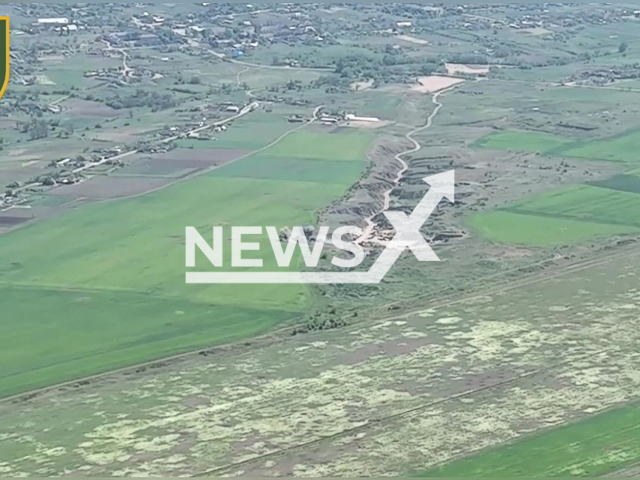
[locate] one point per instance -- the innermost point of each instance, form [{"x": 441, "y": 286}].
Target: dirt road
[
  {"x": 249, "y": 108},
  {"x": 126, "y": 70},
  {"x": 371, "y": 225},
  {"x": 33, "y": 393}
]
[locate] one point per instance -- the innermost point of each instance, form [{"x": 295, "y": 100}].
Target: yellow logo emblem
[{"x": 4, "y": 54}]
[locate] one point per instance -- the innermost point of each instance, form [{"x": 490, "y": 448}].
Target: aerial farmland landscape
[{"x": 126, "y": 126}]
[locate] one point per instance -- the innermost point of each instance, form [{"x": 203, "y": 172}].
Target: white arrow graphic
[{"x": 408, "y": 235}]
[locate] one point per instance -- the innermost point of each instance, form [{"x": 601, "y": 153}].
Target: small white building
[
  {"x": 233, "y": 109},
  {"x": 403, "y": 24},
  {"x": 355, "y": 118},
  {"x": 53, "y": 21}
]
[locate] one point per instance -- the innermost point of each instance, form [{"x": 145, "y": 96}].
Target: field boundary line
[
  {"x": 32, "y": 393},
  {"x": 508, "y": 285},
  {"x": 216, "y": 167},
  {"x": 392, "y": 417}
]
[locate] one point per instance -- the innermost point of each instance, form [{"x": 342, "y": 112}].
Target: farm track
[
  {"x": 370, "y": 228},
  {"x": 442, "y": 297},
  {"x": 216, "y": 167}
]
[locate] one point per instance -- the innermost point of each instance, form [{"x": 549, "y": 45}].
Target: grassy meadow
[
  {"x": 619, "y": 148},
  {"x": 534, "y": 142},
  {"x": 622, "y": 148},
  {"x": 567, "y": 216},
  {"x": 520, "y": 229},
  {"x": 572, "y": 214},
  {"x": 103, "y": 286},
  {"x": 335, "y": 146}
]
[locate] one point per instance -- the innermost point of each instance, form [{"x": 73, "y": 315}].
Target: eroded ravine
[{"x": 369, "y": 230}]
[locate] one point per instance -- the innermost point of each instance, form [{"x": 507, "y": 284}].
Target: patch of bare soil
[
  {"x": 434, "y": 83},
  {"x": 122, "y": 135},
  {"x": 52, "y": 58},
  {"x": 535, "y": 31},
  {"x": 368, "y": 125},
  {"x": 20, "y": 216},
  {"x": 361, "y": 86},
  {"x": 7, "y": 220},
  {"x": 201, "y": 157},
  {"x": 179, "y": 162}
]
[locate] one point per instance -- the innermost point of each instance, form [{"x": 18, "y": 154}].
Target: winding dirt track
[{"x": 371, "y": 225}]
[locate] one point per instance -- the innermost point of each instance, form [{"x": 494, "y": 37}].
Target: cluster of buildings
[
  {"x": 333, "y": 119},
  {"x": 133, "y": 39},
  {"x": 56, "y": 24}
]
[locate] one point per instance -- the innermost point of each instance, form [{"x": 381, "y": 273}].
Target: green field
[
  {"x": 597, "y": 446},
  {"x": 619, "y": 148},
  {"x": 108, "y": 288},
  {"x": 586, "y": 203},
  {"x": 520, "y": 229},
  {"x": 248, "y": 133},
  {"x": 63, "y": 334},
  {"x": 333, "y": 146},
  {"x": 299, "y": 169},
  {"x": 622, "y": 148},
  {"x": 534, "y": 142},
  {"x": 568, "y": 216}
]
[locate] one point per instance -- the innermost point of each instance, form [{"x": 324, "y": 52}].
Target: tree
[
  {"x": 38, "y": 129},
  {"x": 623, "y": 47}
]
